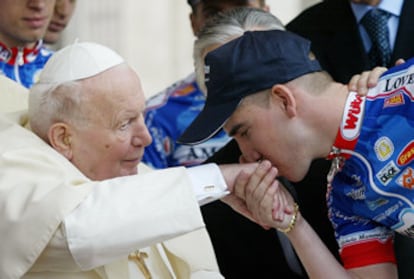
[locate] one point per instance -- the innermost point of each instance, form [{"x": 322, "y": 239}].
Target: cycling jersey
[
  {"x": 167, "y": 115},
  {"x": 371, "y": 183},
  {"x": 23, "y": 64}
]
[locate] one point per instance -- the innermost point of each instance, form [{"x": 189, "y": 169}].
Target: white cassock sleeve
[
  {"x": 126, "y": 213},
  {"x": 208, "y": 183}
]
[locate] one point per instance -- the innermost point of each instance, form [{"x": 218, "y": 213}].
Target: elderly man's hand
[{"x": 230, "y": 172}]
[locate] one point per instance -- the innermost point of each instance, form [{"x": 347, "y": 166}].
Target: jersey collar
[
  {"x": 350, "y": 127},
  {"x": 19, "y": 55}
]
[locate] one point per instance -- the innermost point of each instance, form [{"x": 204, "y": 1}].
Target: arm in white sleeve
[
  {"x": 208, "y": 183},
  {"x": 126, "y": 213}
]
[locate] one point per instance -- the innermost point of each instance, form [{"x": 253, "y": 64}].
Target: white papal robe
[{"x": 41, "y": 191}]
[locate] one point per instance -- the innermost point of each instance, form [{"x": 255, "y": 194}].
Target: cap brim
[{"x": 210, "y": 120}]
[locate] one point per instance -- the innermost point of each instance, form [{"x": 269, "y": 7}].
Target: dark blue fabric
[{"x": 375, "y": 23}]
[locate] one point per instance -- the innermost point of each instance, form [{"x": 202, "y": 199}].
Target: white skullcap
[{"x": 79, "y": 61}]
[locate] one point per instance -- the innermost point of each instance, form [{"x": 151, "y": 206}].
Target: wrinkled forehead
[
  {"x": 118, "y": 76},
  {"x": 119, "y": 86}
]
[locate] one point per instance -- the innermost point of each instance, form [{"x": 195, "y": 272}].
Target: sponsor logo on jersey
[
  {"x": 357, "y": 194},
  {"x": 184, "y": 91},
  {"x": 406, "y": 155},
  {"x": 5, "y": 54},
  {"x": 384, "y": 148},
  {"x": 388, "y": 212},
  {"x": 377, "y": 234},
  {"x": 352, "y": 120},
  {"x": 386, "y": 174},
  {"x": 373, "y": 205},
  {"x": 406, "y": 179},
  {"x": 394, "y": 100},
  {"x": 189, "y": 155},
  {"x": 399, "y": 81}
]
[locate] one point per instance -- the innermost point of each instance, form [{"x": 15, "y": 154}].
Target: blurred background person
[
  {"x": 62, "y": 14},
  {"x": 170, "y": 112},
  {"x": 342, "y": 40},
  {"x": 23, "y": 24}
]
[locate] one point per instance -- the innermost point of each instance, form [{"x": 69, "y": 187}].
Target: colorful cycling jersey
[
  {"x": 23, "y": 64},
  {"x": 167, "y": 115},
  {"x": 371, "y": 183}
]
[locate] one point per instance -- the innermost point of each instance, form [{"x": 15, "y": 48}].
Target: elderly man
[
  {"x": 71, "y": 202},
  {"x": 273, "y": 98}
]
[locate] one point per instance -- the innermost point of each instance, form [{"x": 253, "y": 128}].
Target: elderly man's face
[
  {"x": 23, "y": 22},
  {"x": 112, "y": 142}
]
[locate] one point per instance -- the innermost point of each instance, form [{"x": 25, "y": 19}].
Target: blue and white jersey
[
  {"x": 167, "y": 116},
  {"x": 372, "y": 194},
  {"x": 23, "y": 64}
]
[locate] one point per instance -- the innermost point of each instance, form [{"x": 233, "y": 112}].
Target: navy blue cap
[{"x": 249, "y": 64}]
